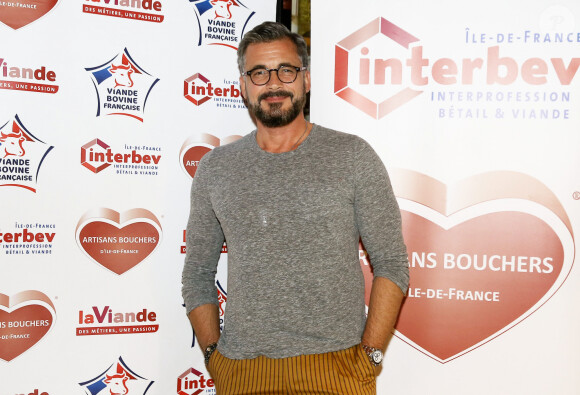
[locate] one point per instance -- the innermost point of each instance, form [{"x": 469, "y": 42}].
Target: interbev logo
[
  {"x": 198, "y": 89},
  {"x": 364, "y": 76},
  {"x": 194, "y": 382},
  {"x": 96, "y": 155},
  {"x": 31, "y": 238},
  {"x": 344, "y": 55}
]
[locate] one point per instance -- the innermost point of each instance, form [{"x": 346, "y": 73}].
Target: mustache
[{"x": 275, "y": 94}]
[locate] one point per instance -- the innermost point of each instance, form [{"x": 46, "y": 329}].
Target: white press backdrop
[
  {"x": 473, "y": 108},
  {"x": 76, "y": 305},
  {"x": 103, "y": 296}
]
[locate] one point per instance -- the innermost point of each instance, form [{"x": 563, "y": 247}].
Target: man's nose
[{"x": 274, "y": 80}]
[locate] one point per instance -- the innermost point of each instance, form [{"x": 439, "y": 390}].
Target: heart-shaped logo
[
  {"x": 473, "y": 280},
  {"x": 19, "y": 13},
  {"x": 484, "y": 255},
  {"x": 116, "y": 241},
  {"x": 196, "y": 147},
  {"x": 24, "y": 319}
]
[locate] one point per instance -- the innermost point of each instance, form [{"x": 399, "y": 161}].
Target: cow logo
[
  {"x": 194, "y": 148},
  {"x": 19, "y": 13},
  {"x": 11, "y": 142},
  {"x": 221, "y": 22},
  {"x": 117, "y": 379},
  {"x": 96, "y": 155},
  {"x": 199, "y": 89},
  {"x": 194, "y": 382},
  {"x": 118, "y": 241},
  {"x": 481, "y": 270},
  {"x": 127, "y": 10},
  {"x": 25, "y": 318},
  {"x": 21, "y": 155},
  {"x": 122, "y": 86}
]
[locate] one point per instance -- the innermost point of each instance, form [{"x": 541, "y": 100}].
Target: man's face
[{"x": 276, "y": 103}]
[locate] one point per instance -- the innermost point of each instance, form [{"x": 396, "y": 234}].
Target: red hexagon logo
[
  {"x": 342, "y": 50},
  {"x": 89, "y": 151},
  {"x": 197, "y": 94},
  {"x": 193, "y": 382}
]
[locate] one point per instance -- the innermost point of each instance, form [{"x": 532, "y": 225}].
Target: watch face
[{"x": 377, "y": 356}]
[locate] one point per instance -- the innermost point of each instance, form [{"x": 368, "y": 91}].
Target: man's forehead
[{"x": 279, "y": 52}]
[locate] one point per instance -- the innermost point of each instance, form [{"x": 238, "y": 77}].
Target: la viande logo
[
  {"x": 106, "y": 321},
  {"x": 35, "y": 392},
  {"x": 128, "y": 9},
  {"x": 27, "y": 78}
]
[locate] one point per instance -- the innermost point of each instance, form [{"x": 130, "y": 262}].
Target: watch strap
[
  {"x": 208, "y": 351},
  {"x": 375, "y": 354}
]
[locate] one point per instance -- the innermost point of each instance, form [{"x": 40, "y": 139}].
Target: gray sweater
[{"x": 292, "y": 223}]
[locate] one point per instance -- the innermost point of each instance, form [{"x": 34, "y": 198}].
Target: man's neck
[{"x": 284, "y": 138}]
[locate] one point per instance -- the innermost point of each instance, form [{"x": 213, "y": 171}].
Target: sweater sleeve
[
  {"x": 378, "y": 217},
  {"x": 204, "y": 240}
]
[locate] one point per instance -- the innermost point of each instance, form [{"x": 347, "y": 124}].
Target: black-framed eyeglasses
[{"x": 286, "y": 74}]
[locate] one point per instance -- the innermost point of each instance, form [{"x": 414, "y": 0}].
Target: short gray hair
[{"x": 266, "y": 33}]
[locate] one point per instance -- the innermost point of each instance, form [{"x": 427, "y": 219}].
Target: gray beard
[{"x": 275, "y": 116}]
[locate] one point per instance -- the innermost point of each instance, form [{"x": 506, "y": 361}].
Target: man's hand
[
  {"x": 386, "y": 298},
  {"x": 205, "y": 321}
]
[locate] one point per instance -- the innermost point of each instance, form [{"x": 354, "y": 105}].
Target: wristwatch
[
  {"x": 208, "y": 351},
  {"x": 375, "y": 355}
]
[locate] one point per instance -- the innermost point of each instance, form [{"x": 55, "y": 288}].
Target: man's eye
[
  {"x": 287, "y": 70},
  {"x": 259, "y": 73}
]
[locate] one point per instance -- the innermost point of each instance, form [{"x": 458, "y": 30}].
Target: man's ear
[
  {"x": 307, "y": 81},
  {"x": 243, "y": 86}
]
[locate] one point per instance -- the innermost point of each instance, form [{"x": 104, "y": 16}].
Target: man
[{"x": 292, "y": 200}]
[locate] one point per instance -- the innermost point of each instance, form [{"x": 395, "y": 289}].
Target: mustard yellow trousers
[{"x": 345, "y": 372}]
